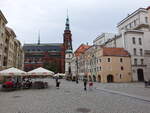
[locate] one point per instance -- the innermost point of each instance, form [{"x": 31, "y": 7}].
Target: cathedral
[{"x": 48, "y": 55}]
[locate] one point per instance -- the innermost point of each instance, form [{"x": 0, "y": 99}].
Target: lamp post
[{"x": 77, "y": 68}]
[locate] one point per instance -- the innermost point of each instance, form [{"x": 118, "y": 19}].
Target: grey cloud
[{"x": 88, "y": 18}]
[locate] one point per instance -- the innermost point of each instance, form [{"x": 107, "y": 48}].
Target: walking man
[
  {"x": 85, "y": 83},
  {"x": 57, "y": 84}
]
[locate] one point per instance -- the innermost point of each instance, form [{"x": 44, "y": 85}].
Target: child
[{"x": 91, "y": 85}]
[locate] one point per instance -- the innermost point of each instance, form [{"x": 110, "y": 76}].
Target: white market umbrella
[
  {"x": 40, "y": 71},
  {"x": 12, "y": 72}
]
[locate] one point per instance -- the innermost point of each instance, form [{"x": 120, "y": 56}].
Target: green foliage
[{"x": 52, "y": 66}]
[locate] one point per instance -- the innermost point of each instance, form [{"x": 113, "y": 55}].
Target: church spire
[
  {"x": 67, "y": 22},
  {"x": 39, "y": 38}
]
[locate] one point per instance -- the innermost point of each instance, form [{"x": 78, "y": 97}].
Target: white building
[
  {"x": 104, "y": 37},
  {"x": 134, "y": 36}
]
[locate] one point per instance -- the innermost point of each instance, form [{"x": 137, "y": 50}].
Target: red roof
[
  {"x": 115, "y": 52},
  {"x": 81, "y": 49}
]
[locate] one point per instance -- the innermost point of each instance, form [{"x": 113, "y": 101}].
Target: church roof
[{"x": 43, "y": 47}]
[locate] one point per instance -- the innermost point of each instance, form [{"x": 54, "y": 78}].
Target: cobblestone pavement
[
  {"x": 71, "y": 98},
  {"x": 129, "y": 88}
]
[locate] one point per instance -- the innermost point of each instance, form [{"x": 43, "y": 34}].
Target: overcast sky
[{"x": 88, "y": 18}]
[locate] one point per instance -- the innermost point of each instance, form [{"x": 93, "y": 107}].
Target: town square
[
  {"x": 73, "y": 56},
  {"x": 71, "y": 98}
]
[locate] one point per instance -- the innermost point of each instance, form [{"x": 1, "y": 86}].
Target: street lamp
[{"x": 77, "y": 67}]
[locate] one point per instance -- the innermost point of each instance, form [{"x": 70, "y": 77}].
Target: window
[
  {"x": 141, "y": 52},
  {"x": 120, "y": 76},
  {"x": 134, "y": 22},
  {"x": 130, "y": 25},
  {"x": 121, "y": 60},
  {"x": 99, "y": 60},
  {"x": 121, "y": 67},
  {"x": 135, "y": 61},
  {"x": 126, "y": 28},
  {"x": 108, "y": 59},
  {"x": 133, "y": 40},
  {"x": 3, "y": 25},
  {"x": 97, "y": 69},
  {"x": 134, "y": 50},
  {"x": 146, "y": 19},
  {"x": 142, "y": 61},
  {"x": 100, "y": 68},
  {"x": 140, "y": 41}
]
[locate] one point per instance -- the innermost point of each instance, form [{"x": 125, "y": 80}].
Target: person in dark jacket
[
  {"x": 57, "y": 84},
  {"x": 85, "y": 83},
  {"x": 77, "y": 80}
]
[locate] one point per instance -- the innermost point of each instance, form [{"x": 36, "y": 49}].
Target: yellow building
[{"x": 108, "y": 65}]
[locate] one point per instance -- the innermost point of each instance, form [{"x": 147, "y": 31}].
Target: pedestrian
[
  {"x": 85, "y": 83},
  {"x": 90, "y": 85},
  {"x": 57, "y": 84},
  {"x": 56, "y": 80},
  {"x": 77, "y": 80}
]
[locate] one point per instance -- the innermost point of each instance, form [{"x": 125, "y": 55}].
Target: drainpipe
[{"x": 123, "y": 39}]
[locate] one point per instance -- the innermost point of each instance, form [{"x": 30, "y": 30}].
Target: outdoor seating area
[{"x": 15, "y": 79}]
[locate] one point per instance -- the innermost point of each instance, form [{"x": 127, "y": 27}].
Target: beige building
[
  {"x": 114, "y": 65},
  {"x": 106, "y": 64},
  {"x": 11, "y": 52}
]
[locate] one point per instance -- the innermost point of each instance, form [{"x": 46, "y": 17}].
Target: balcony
[{"x": 141, "y": 25}]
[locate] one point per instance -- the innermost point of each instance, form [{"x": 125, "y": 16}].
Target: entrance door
[
  {"x": 140, "y": 75},
  {"x": 99, "y": 78},
  {"x": 110, "y": 78}
]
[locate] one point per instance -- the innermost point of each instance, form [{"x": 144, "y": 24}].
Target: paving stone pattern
[{"x": 71, "y": 98}]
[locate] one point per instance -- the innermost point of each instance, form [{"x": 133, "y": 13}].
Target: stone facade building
[
  {"x": 109, "y": 65},
  {"x": 105, "y": 64},
  {"x": 134, "y": 36},
  {"x": 78, "y": 60},
  {"x": 104, "y": 37},
  {"x": 11, "y": 52}
]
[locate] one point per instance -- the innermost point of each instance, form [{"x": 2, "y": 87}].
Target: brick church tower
[{"x": 67, "y": 36}]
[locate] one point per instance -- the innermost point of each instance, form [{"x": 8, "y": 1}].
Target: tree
[{"x": 51, "y": 66}]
